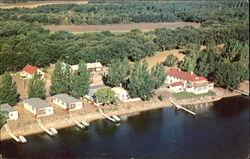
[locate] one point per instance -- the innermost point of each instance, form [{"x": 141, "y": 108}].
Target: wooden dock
[
  {"x": 181, "y": 107},
  {"x": 242, "y": 92},
  {"x": 78, "y": 124},
  {"x": 51, "y": 132},
  {"x": 106, "y": 116},
  {"x": 20, "y": 139}
]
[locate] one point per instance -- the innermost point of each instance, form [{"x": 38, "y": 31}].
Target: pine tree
[
  {"x": 158, "y": 75},
  {"x": 80, "y": 81},
  {"x": 118, "y": 72},
  {"x": 140, "y": 82},
  {"x": 60, "y": 79},
  {"x": 36, "y": 87},
  {"x": 8, "y": 90}
]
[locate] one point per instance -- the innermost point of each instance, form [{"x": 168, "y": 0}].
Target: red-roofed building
[
  {"x": 177, "y": 86},
  {"x": 28, "y": 71},
  {"x": 191, "y": 82}
]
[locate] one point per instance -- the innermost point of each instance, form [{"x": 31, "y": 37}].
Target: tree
[
  {"x": 36, "y": 87},
  {"x": 118, "y": 72},
  {"x": 8, "y": 90},
  {"x": 2, "y": 119},
  {"x": 140, "y": 83},
  {"x": 189, "y": 62},
  {"x": 170, "y": 61},
  {"x": 206, "y": 64},
  {"x": 60, "y": 79},
  {"x": 229, "y": 75},
  {"x": 105, "y": 95},
  {"x": 158, "y": 75},
  {"x": 80, "y": 81}
]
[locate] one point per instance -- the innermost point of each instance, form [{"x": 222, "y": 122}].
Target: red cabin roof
[
  {"x": 29, "y": 69},
  {"x": 185, "y": 75},
  {"x": 177, "y": 84}
]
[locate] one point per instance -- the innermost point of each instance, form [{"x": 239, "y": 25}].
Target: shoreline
[{"x": 62, "y": 121}]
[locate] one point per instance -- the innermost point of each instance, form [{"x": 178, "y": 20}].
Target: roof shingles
[{"x": 185, "y": 75}]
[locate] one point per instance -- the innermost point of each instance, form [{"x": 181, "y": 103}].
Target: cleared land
[
  {"x": 37, "y": 4},
  {"x": 118, "y": 27}
]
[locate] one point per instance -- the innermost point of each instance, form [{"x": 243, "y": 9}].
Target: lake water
[{"x": 219, "y": 131}]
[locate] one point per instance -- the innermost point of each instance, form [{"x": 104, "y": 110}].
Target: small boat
[
  {"x": 85, "y": 123},
  {"x": 116, "y": 118},
  {"x": 54, "y": 131},
  {"x": 22, "y": 139}
]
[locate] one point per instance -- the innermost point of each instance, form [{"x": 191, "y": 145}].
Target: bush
[
  {"x": 170, "y": 61},
  {"x": 160, "y": 97}
]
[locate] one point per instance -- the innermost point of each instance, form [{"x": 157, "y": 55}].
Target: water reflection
[
  {"x": 219, "y": 131},
  {"x": 105, "y": 127}
]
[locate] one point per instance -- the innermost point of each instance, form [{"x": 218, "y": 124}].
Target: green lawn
[{"x": 183, "y": 95}]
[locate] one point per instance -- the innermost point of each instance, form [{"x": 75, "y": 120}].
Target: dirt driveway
[{"x": 118, "y": 27}]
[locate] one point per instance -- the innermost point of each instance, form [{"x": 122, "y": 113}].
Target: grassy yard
[{"x": 184, "y": 95}]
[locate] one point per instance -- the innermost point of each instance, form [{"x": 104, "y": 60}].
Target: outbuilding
[
  {"x": 9, "y": 112},
  {"x": 177, "y": 86},
  {"x": 67, "y": 102},
  {"x": 28, "y": 71},
  {"x": 121, "y": 93},
  {"x": 38, "y": 107}
]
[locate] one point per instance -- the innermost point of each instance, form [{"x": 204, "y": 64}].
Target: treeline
[
  {"x": 130, "y": 12},
  {"x": 24, "y": 43},
  {"x": 227, "y": 66}
]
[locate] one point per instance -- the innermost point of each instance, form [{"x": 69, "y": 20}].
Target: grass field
[
  {"x": 38, "y": 3},
  {"x": 184, "y": 95},
  {"x": 118, "y": 28}
]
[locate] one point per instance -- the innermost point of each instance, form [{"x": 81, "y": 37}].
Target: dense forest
[
  {"x": 23, "y": 41},
  {"x": 127, "y": 12}
]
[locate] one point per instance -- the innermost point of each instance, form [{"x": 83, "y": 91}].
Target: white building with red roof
[
  {"x": 180, "y": 80},
  {"x": 28, "y": 71}
]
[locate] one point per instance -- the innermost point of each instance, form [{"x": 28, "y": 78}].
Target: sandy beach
[{"x": 27, "y": 124}]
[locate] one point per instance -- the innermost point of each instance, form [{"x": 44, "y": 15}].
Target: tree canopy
[
  {"x": 105, "y": 96},
  {"x": 118, "y": 72},
  {"x": 36, "y": 87},
  {"x": 8, "y": 90}
]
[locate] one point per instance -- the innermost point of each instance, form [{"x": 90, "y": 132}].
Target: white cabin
[
  {"x": 121, "y": 93},
  {"x": 38, "y": 107},
  {"x": 67, "y": 102},
  {"x": 9, "y": 112}
]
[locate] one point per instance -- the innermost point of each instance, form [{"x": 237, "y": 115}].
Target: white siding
[
  {"x": 29, "y": 108},
  {"x": 48, "y": 111},
  {"x": 59, "y": 103},
  {"x": 78, "y": 106},
  {"x": 176, "y": 88},
  {"x": 13, "y": 115}
]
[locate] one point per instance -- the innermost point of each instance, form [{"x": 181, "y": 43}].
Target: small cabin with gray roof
[
  {"x": 9, "y": 112},
  {"x": 38, "y": 107},
  {"x": 67, "y": 102}
]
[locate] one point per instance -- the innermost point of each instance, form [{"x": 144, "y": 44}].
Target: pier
[
  {"x": 241, "y": 91},
  {"x": 51, "y": 132},
  {"x": 17, "y": 139},
  {"x": 81, "y": 124},
  {"x": 181, "y": 107},
  {"x": 113, "y": 118}
]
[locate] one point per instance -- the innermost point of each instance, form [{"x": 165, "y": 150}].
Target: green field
[{"x": 184, "y": 95}]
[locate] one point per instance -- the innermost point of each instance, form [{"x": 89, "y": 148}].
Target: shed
[
  {"x": 38, "y": 107},
  {"x": 121, "y": 93},
  {"x": 28, "y": 71},
  {"x": 177, "y": 86},
  {"x": 9, "y": 112},
  {"x": 67, "y": 102}
]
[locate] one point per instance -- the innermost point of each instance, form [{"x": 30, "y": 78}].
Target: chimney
[
  {"x": 191, "y": 72},
  {"x": 179, "y": 69}
]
